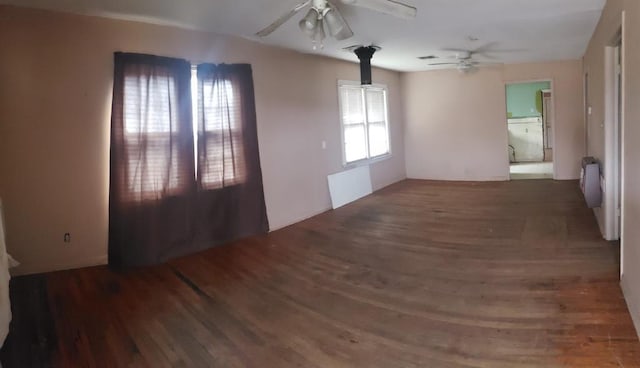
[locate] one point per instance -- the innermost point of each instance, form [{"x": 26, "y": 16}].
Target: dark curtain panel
[
  {"x": 230, "y": 199},
  {"x": 152, "y": 180}
]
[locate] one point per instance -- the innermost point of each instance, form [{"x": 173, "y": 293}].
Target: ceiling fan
[
  {"x": 323, "y": 11},
  {"x": 463, "y": 59}
]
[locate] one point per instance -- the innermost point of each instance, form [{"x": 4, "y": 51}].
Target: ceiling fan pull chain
[{"x": 317, "y": 45}]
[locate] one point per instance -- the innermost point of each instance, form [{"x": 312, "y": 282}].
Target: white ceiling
[{"x": 526, "y": 30}]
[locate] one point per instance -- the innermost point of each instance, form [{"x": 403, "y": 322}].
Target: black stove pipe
[{"x": 365, "y": 53}]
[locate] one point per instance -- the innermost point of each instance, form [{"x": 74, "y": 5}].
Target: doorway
[{"x": 530, "y": 121}]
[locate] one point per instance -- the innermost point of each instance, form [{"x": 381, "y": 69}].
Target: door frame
[
  {"x": 554, "y": 127},
  {"x": 613, "y": 168},
  {"x": 546, "y": 115}
]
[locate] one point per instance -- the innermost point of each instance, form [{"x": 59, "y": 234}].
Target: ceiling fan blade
[
  {"x": 453, "y": 49},
  {"x": 280, "y": 21},
  {"x": 390, "y": 7},
  {"x": 486, "y": 63},
  {"x": 436, "y": 64},
  {"x": 487, "y": 47},
  {"x": 489, "y": 53},
  {"x": 486, "y": 55}
]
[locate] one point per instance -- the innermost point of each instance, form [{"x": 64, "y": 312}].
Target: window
[
  {"x": 219, "y": 137},
  {"x": 179, "y": 135},
  {"x": 151, "y": 133},
  {"x": 365, "y": 127},
  {"x": 154, "y": 140}
]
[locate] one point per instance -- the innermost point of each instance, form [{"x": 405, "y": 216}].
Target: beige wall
[
  {"x": 55, "y": 95},
  {"x": 456, "y": 123},
  {"x": 609, "y": 24},
  {"x": 594, "y": 65}
]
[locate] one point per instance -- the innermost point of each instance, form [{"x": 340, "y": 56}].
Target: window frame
[{"x": 369, "y": 159}]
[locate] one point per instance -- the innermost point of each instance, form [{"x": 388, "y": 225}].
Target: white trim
[
  {"x": 554, "y": 127},
  {"x": 607, "y": 164},
  {"x": 612, "y": 141},
  {"x": 304, "y": 217},
  {"x": 366, "y": 161},
  {"x": 586, "y": 111},
  {"x": 345, "y": 82},
  {"x": 622, "y": 142},
  {"x": 26, "y": 268}
]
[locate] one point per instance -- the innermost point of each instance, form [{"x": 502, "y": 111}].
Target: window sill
[{"x": 367, "y": 161}]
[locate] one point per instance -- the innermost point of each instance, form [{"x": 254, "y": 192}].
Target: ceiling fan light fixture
[
  {"x": 338, "y": 27},
  {"x": 309, "y": 23},
  {"x": 305, "y": 30},
  {"x": 465, "y": 68},
  {"x": 318, "y": 36},
  {"x": 463, "y": 55},
  {"x": 312, "y": 24}
]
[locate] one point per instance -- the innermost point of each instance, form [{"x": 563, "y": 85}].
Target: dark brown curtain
[
  {"x": 161, "y": 204},
  {"x": 230, "y": 199},
  {"x": 152, "y": 180}
]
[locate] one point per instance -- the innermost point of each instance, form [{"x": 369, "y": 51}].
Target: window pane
[
  {"x": 150, "y": 104},
  {"x": 351, "y": 105},
  {"x": 364, "y": 121},
  {"x": 355, "y": 145},
  {"x": 150, "y": 132},
  {"x": 152, "y": 164},
  {"x": 221, "y": 156},
  {"x": 224, "y": 163},
  {"x": 220, "y": 108},
  {"x": 378, "y": 139},
  {"x": 376, "y": 105}
]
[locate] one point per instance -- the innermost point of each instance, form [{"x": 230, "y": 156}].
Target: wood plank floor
[{"x": 420, "y": 274}]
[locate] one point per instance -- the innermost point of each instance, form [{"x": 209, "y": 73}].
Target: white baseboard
[
  {"x": 293, "y": 222},
  {"x": 321, "y": 211},
  {"x": 381, "y": 186},
  {"x": 496, "y": 178},
  {"x": 631, "y": 304},
  {"x": 30, "y": 269}
]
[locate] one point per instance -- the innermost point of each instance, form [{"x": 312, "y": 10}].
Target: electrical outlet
[{"x": 67, "y": 237}]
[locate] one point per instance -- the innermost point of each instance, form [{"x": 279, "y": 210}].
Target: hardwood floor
[{"x": 420, "y": 274}]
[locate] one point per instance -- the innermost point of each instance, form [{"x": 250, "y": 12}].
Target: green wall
[{"x": 522, "y": 100}]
